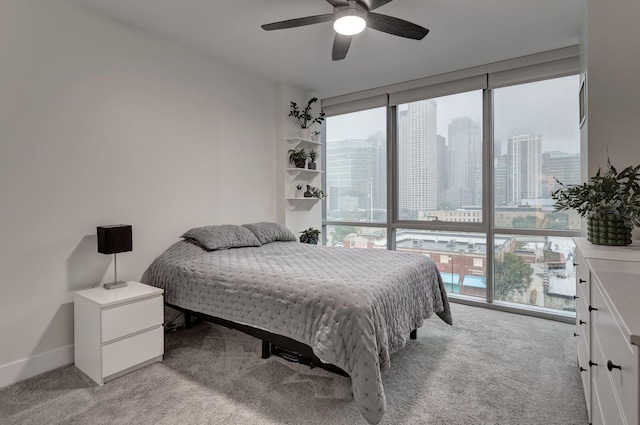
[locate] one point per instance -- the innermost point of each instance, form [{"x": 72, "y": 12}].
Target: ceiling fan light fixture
[{"x": 350, "y": 20}]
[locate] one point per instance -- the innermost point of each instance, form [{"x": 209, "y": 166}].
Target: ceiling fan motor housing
[{"x": 351, "y": 19}]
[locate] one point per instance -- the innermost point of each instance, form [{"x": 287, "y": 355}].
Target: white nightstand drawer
[
  {"x": 604, "y": 397},
  {"x": 129, "y": 352},
  {"x": 619, "y": 352},
  {"x": 130, "y": 318}
]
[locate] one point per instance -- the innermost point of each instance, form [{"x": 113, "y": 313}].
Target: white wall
[
  {"x": 101, "y": 124},
  {"x": 613, "y": 82}
]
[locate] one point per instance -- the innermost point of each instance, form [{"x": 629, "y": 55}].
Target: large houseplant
[
  {"x": 304, "y": 118},
  {"x": 610, "y": 201}
]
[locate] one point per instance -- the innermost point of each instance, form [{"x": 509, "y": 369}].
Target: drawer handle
[
  {"x": 592, "y": 364},
  {"x": 582, "y": 322},
  {"x": 592, "y": 308},
  {"x": 582, "y": 369},
  {"x": 575, "y": 334},
  {"x": 575, "y": 264},
  {"x": 581, "y": 280},
  {"x": 612, "y": 366},
  {"x": 575, "y": 297}
]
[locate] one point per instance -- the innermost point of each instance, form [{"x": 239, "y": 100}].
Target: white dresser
[
  {"x": 117, "y": 331},
  {"x": 608, "y": 331}
]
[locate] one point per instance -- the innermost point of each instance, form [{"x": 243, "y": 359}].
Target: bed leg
[
  {"x": 414, "y": 334},
  {"x": 266, "y": 349},
  {"x": 187, "y": 320}
]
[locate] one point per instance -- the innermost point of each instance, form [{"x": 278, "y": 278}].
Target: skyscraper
[
  {"x": 561, "y": 165},
  {"x": 465, "y": 161},
  {"x": 500, "y": 181},
  {"x": 524, "y": 168},
  {"x": 418, "y": 156},
  {"x": 356, "y": 177}
]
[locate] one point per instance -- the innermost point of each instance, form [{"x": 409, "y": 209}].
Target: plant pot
[
  {"x": 300, "y": 163},
  {"x": 305, "y": 133},
  {"x": 608, "y": 230},
  {"x": 311, "y": 165},
  {"x": 315, "y": 137}
]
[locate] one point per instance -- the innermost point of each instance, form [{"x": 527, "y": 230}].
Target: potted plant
[
  {"x": 298, "y": 157},
  {"x": 304, "y": 118},
  {"x": 315, "y": 136},
  {"x": 313, "y": 155},
  {"x": 314, "y": 192},
  {"x": 310, "y": 235},
  {"x": 610, "y": 201}
]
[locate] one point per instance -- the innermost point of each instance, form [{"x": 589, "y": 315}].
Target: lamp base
[{"x": 115, "y": 285}]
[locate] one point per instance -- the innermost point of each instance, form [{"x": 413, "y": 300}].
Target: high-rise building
[
  {"x": 500, "y": 181},
  {"x": 418, "y": 156},
  {"x": 524, "y": 168},
  {"x": 561, "y": 165},
  {"x": 443, "y": 158},
  {"x": 465, "y": 161},
  {"x": 355, "y": 173}
]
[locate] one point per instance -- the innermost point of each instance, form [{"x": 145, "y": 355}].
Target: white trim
[{"x": 35, "y": 365}]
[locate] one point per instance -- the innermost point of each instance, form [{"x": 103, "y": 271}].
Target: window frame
[{"x": 548, "y": 65}]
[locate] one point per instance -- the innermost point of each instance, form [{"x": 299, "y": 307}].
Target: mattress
[{"x": 353, "y": 307}]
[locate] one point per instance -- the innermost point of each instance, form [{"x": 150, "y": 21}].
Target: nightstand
[{"x": 118, "y": 331}]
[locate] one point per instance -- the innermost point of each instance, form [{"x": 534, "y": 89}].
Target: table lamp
[{"x": 111, "y": 240}]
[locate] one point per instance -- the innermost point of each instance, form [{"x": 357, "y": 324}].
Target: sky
[{"x": 547, "y": 108}]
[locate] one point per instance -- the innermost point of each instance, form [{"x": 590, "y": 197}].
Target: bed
[{"x": 352, "y": 307}]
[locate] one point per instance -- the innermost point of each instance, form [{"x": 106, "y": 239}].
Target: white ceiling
[{"x": 463, "y": 34}]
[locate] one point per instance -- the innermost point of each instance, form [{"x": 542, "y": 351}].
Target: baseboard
[{"x": 26, "y": 368}]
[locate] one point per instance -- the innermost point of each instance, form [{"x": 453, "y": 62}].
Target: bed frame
[{"x": 278, "y": 345}]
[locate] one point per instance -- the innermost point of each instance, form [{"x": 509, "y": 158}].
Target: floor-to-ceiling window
[
  {"x": 356, "y": 179},
  {"x": 465, "y": 178},
  {"x": 536, "y": 143}
]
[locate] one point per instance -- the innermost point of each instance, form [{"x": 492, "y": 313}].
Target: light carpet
[{"x": 490, "y": 367}]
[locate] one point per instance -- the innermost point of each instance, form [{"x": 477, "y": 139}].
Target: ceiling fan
[{"x": 351, "y": 17}]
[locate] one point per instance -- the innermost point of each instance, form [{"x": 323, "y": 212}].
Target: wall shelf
[
  {"x": 300, "y": 142},
  {"x": 303, "y": 199},
  {"x": 303, "y": 171}
]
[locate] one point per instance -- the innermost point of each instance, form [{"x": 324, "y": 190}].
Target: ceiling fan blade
[
  {"x": 395, "y": 26},
  {"x": 338, "y": 3},
  {"x": 374, "y": 4},
  {"x": 341, "y": 45},
  {"x": 298, "y": 22}
]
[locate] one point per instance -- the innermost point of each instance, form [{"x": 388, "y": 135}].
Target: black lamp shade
[{"x": 114, "y": 238}]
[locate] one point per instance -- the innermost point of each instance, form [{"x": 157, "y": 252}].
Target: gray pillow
[
  {"x": 267, "y": 232},
  {"x": 222, "y": 236}
]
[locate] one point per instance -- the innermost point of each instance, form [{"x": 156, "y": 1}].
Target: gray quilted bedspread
[{"x": 354, "y": 307}]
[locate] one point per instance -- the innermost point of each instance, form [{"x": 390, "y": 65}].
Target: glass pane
[
  {"x": 460, "y": 257},
  {"x": 535, "y": 270},
  {"x": 536, "y": 140},
  {"x": 440, "y": 158},
  {"x": 357, "y": 237},
  {"x": 356, "y": 166}
]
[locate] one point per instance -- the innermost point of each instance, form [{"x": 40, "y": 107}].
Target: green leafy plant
[
  {"x": 304, "y": 117},
  {"x": 310, "y": 235},
  {"x": 298, "y": 157},
  {"x": 314, "y": 192},
  {"x": 608, "y": 193},
  {"x": 312, "y": 155}
]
